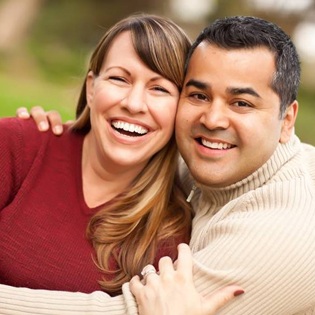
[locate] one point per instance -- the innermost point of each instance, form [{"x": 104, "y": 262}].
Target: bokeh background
[{"x": 45, "y": 44}]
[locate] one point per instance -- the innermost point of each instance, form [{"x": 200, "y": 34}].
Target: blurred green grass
[
  {"x": 17, "y": 92},
  {"x": 305, "y": 124}
]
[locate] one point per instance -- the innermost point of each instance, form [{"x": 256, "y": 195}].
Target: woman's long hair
[{"x": 152, "y": 212}]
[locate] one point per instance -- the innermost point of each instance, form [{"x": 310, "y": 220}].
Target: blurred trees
[
  {"x": 53, "y": 38},
  {"x": 82, "y": 22},
  {"x": 16, "y": 18},
  {"x": 50, "y": 40}
]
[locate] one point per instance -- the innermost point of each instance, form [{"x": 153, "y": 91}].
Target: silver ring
[{"x": 148, "y": 269}]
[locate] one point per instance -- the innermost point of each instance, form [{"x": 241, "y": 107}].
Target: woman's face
[{"x": 132, "y": 108}]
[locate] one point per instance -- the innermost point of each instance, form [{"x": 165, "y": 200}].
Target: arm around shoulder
[{"x": 16, "y": 301}]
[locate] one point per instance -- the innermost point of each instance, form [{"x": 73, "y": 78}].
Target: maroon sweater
[{"x": 43, "y": 215}]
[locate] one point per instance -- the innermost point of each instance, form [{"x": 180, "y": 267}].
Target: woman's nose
[{"x": 135, "y": 100}]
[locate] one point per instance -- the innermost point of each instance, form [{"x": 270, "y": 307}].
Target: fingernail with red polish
[{"x": 238, "y": 292}]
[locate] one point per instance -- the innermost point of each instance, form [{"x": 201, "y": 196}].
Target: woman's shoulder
[
  {"x": 17, "y": 155},
  {"x": 13, "y": 127},
  {"x": 26, "y": 130},
  {"x": 20, "y": 139}
]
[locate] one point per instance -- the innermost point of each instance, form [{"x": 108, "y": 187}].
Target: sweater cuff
[{"x": 18, "y": 301}]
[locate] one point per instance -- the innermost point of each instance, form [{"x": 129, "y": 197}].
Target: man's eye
[
  {"x": 242, "y": 104},
  {"x": 199, "y": 96}
]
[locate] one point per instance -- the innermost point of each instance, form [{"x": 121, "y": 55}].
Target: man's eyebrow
[
  {"x": 232, "y": 90},
  {"x": 197, "y": 84},
  {"x": 238, "y": 91}
]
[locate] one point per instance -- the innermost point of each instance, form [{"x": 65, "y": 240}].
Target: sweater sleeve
[{"x": 18, "y": 301}]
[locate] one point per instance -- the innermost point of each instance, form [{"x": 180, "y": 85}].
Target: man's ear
[
  {"x": 289, "y": 121},
  {"x": 89, "y": 87}
]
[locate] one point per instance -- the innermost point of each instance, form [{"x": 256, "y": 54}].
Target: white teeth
[
  {"x": 129, "y": 127},
  {"x": 215, "y": 145}
]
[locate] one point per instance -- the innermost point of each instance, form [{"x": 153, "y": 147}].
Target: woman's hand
[
  {"x": 173, "y": 291},
  {"x": 44, "y": 120}
]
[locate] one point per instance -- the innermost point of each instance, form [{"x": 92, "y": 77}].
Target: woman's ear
[
  {"x": 289, "y": 121},
  {"x": 89, "y": 87}
]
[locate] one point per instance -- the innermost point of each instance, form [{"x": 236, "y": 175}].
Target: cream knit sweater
[{"x": 258, "y": 233}]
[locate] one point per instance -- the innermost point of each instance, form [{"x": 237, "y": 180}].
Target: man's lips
[{"x": 214, "y": 144}]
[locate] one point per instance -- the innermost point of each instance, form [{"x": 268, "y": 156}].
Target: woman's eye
[
  {"x": 117, "y": 79},
  {"x": 160, "y": 89}
]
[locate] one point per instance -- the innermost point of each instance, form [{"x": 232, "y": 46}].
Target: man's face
[{"x": 228, "y": 123}]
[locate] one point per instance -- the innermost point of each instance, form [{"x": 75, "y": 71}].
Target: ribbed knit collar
[{"x": 283, "y": 154}]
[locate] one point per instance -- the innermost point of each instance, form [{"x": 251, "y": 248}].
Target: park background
[{"x": 45, "y": 44}]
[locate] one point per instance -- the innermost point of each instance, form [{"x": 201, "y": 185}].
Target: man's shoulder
[
  {"x": 308, "y": 149},
  {"x": 309, "y": 154}
]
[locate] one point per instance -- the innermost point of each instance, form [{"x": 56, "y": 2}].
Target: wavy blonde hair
[{"x": 152, "y": 212}]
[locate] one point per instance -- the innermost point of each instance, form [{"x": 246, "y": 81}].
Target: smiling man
[
  {"x": 225, "y": 107},
  {"x": 255, "y": 197}
]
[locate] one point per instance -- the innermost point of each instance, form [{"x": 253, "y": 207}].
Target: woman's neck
[{"x": 102, "y": 178}]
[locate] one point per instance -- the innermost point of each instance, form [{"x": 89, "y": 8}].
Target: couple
[{"x": 250, "y": 179}]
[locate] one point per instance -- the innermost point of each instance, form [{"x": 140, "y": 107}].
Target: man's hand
[{"x": 44, "y": 120}]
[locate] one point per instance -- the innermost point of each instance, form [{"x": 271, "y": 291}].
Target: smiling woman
[
  {"x": 129, "y": 94},
  {"x": 112, "y": 175}
]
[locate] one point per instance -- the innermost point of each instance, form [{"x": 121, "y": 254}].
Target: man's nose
[{"x": 215, "y": 116}]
